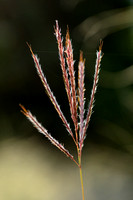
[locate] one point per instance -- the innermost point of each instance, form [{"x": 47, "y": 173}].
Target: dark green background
[{"x": 111, "y": 125}]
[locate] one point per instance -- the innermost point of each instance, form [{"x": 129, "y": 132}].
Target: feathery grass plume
[
  {"x": 76, "y": 100},
  {"x": 94, "y": 88},
  {"x": 81, "y": 98},
  {"x": 49, "y": 92},
  {"x": 42, "y": 130},
  {"x": 70, "y": 64},
  {"x": 62, "y": 62},
  {"x": 68, "y": 72}
]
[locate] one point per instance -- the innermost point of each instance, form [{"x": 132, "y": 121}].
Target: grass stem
[{"x": 81, "y": 176}]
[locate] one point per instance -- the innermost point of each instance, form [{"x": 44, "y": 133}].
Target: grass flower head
[{"x": 76, "y": 96}]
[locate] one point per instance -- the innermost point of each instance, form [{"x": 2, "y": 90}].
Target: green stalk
[{"x": 81, "y": 176}]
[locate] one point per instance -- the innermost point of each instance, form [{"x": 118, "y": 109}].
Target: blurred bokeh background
[{"x": 30, "y": 167}]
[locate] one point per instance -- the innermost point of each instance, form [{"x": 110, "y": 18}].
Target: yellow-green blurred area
[{"x": 30, "y": 167}]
